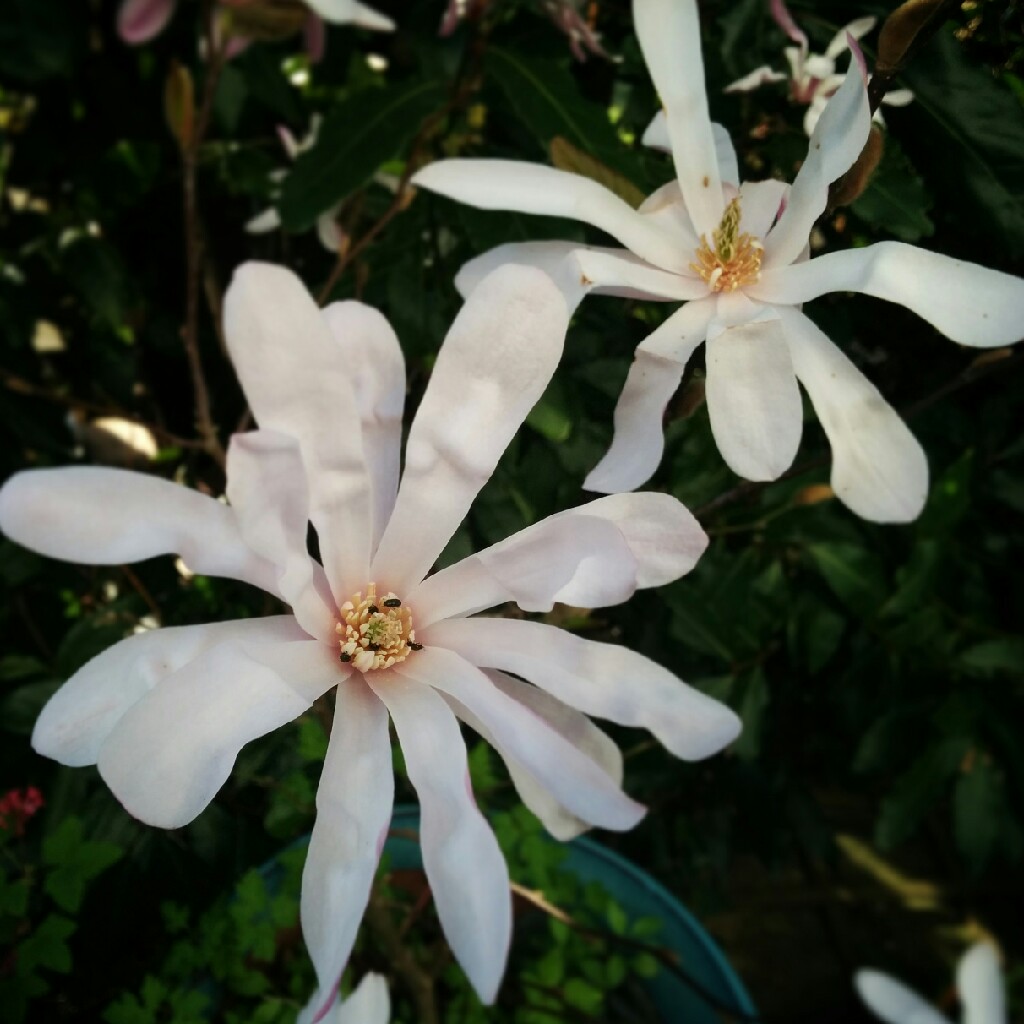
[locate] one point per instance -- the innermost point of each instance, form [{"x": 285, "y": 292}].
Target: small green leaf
[
  {"x": 978, "y": 810},
  {"x": 853, "y": 572}
]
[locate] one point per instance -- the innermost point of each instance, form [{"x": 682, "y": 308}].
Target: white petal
[
  {"x": 496, "y": 361},
  {"x": 755, "y": 79},
  {"x": 657, "y": 369},
  {"x": 534, "y": 188},
  {"x": 858, "y": 28},
  {"x": 838, "y": 139},
  {"x": 753, "y": 400},
  {"x": 979, "y": 981},
  {"x": 662, "y": 538},
  {"x": 968, "y": 303},
  {"x": 464, "y": 866},
  {"x": 268, "y": 491},
  {"x": 604, "y": 680},
  {"x": 570, "y": 776},
  {"x": 898, "y": 98},
  {"x": 891, "y": 1001},
  {"x": 368, "y": 1004},
  {"x": 77, "y": 719},
  {"x": 173, "y": 749},
  {"x": 761, "y": 202},
  {"x": 298, "y": 383},
  {"x": 351, "y": 12},
  {"x": 328, "y": 232},
  {"x": 879, "y": 469},
  {"x": 353, "y": 804},
  {"x": 377, "y": 371},
  {"x": 584, "y": 561},
  {"x": 268, "y": 220},
  {"x": 100, "y": 516},
  {"x": 669, "y": 35}
]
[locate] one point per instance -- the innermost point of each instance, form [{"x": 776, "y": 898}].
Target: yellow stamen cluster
[
  {"x": 375, "y": 633},
  {"x": 735, "y": 259}
]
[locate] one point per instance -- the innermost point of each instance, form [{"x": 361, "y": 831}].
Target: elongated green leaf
[{"x": 357, "y": 137}]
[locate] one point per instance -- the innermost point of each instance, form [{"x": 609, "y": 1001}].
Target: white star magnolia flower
[
  {"x": 813, "y": 79},
  {"x": 368, "y": 1004},
  {"x": 735, "y": 254},
  {"x": 164, "y": 714},
  {"x": 979, "y": 983}
]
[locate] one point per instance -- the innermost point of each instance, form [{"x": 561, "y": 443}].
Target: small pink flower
[{"x": 17, "y": 806}]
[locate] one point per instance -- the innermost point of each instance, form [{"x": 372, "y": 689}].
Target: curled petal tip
[{"x": 858, "y": 55}]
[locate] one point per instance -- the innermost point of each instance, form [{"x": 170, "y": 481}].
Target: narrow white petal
[
  {"x": 570, "y": 776},
  {"x": 755, "y": 79},
  {"x": 368, "y": 1004},
  {"x": 858, "y": 28},
  {"x": 342, "y": 12},
  {"x": 353, "y": 804},
  {"x": 879, "y": 469},
  {"x": 979, "y": 981},
  {"x": 669, "y": 35},
  {"x": 662, "y": 538},
  {"x": 657, "y": 369},
  {"x": 267, "y": 489},
  {"x": 328, "y": 232},
  {"x": 100, "y": 516},
  {"x": 496, "y": 361},
  {"x": 753, "y": 399},
  {"x": 891, "y": 1001},
  {"x": 968, "y": 303},
  {"x": 173, "y": 749},
  {"x": 78, "y": 718},
  {"x": 898, "y": 98},
  {"x": 604, "y": 680},
  {"x": 268, "y": 220},
  {"x": 838, "y": 139},
  {"x": 298, "y": 383},
  {"x": 761, "y": 203},
  {"x": 377, "y": 371},
  {"x": 464, "y": 866},
  {"x": 534, "y": 188}
]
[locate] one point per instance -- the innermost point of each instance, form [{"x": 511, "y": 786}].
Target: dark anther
[
  {"x": 346, "y": 657},
  {"x": 373, "y": 647},
  {"x": 392, "y": 602},
  {"x": 415, "y": 647},
  {"x": 373, "y": 609}
]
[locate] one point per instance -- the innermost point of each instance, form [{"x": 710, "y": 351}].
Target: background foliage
[{"x": 873, "y": 810}]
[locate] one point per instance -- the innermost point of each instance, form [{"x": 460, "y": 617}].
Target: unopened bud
[
  {"x": 179, "y": 104},
  {"x": 899, "y": 31},
  {"x": 857, "y": 178},
  {"x": 267, "y": 21}
]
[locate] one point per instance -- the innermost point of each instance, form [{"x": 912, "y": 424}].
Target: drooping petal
[
  {"x": 298, "y": 383},
  {"x": 329, "y": 233},
  {"x": 99, "y": 516},
  {"x": 579, "y": 270},
  {"x": 669, "y": 36},
  {"x": 268, "y": 491},
  {"x": 138, "y": 21},
  {"x": 858, "y": 28},
  {"x": 268, "y": 220},
  {"x": 968, "y": 303},
  {"x": 172, "y": 750},
  {"x": 351, "y": 12},
  {"x": 980, "y": 984},
  {"x": 604, "y": 680},
  {"x": 656, "y": 136},
  {"x": 785, "y": 21},
  {"x": 838, "y": 139},
  {"x": 753, "y": 399},
  {"x": 898, "y": 98},
  {"x": 891, "y": 1001},
  {"x": 368, "y": 1004},
  {"x": 572, "y": 778},
  {"x": 761, "y": 203},
  {"x": 755, "y": 79},
  {"x": 377, "y": 371},
  {"x": 77, "y": 719},
  {"x": 879, "y": 469},
  {"x": 353, "y": 804},
  {"x": 464, "y": 866},
  {"x": 534, "y": 188},
  {"x": 657, "y": 369},
  {"x": 663, "y": 539},
  {"x": 496, "y": 361}
]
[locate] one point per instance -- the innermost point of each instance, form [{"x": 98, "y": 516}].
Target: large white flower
[
  {"x": 164, "y": 714},
  {"x": 813, "y": 78},
  {"x": 735, "y": 254},
  {"x": 979, "y": 983}
]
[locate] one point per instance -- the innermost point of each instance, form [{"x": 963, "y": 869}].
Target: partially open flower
[{"x": 163, "y": 714}]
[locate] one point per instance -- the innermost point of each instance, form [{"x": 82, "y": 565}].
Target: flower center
[
  {"x": 735, "y": 259},
  {"x": 375, "y": 633}
]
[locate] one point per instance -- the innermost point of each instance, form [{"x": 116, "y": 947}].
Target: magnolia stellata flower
[
  {"x": 979, "y": 983},
  {"x": 270, "y": 220},
  {"x": 163, "y": 714},
  {"x": 138, "y": 21},
  {"x": 736, "y": 256},
  {"x": 369, "y": 1003},
  {"x": 813, "y": 77}
]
